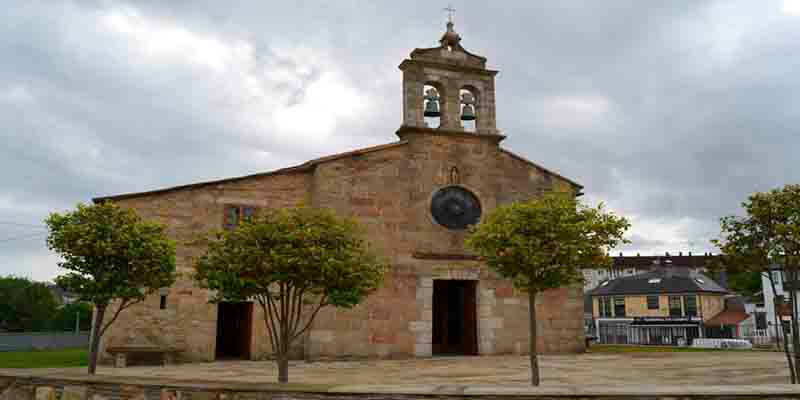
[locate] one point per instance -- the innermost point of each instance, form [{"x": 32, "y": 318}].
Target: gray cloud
[{"x": 670, "y": 112}]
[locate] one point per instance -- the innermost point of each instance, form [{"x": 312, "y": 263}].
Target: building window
[
  {"x": 163, "y": 304},
  {"x": 690, "y": 304},
  {"x": 619, "y": 306},
  {"x": 652, "y": 302},
  {"x": 675, "y": 306},
  {"x": 234, "y": 214},
  {"x": 605, "y": 307}
]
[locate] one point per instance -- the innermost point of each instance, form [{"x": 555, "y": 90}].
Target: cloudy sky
[{"x": 669, "y": 112}]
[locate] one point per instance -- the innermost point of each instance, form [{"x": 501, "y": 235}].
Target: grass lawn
[
  {"x": 599, "y": 348},
  {"x": 74, "y": 357}
]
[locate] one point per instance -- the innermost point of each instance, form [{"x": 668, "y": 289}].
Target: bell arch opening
[
  {"x": 432, "y": 105},
  {"x": 468, "y": 98}
]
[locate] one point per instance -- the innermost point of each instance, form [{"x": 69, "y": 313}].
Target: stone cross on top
[{"x": 450, "y": 11}]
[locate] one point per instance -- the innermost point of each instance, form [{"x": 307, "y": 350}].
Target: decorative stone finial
[{"x": 450, "y": 38}]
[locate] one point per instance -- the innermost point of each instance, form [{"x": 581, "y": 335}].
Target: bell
[
  {"x": 432, "y": 108},
  {"x": 432, "y": 103},
  {"x": 468, "y": 113}
]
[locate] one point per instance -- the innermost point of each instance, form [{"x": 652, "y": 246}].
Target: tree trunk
[
  {"x": 94, "y": 341},
  {"x": 533, "y": 341},
  {"x": 779, "y": 329},
  {"x": 795, "y": 333},
  {"x": 283, "y": 368}
]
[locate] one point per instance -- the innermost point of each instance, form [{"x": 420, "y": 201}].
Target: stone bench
[{"x": 121, "y": 353}]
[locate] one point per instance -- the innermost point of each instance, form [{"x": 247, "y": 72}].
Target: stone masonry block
[
  {"x": 423, "y": 349},
  {"x": 424, "y": 293},
  {"x": 490, "y": 323},
  {"x": 486, "y": 347},
  {"x": 322, "y": 336},
  {"x": 383, "y": 350},
  {"x": 420, "y": 326},
  {"x": 486, "y": 334},
  {"x": 485, "y": 311},
  {"x": 45, "y": 393},
  {"x": 426, "y": 315},
  {"x": 14, "y": 392},
  {"x": 504, "y": 290},
  {"x": 74, "y": 393},
  {"x": 424, "y": 337}
]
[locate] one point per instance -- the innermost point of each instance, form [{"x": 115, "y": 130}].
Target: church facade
[{"x": 414, "y": 197}]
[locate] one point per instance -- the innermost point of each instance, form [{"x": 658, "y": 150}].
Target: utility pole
[{"x": 77, "y": 321}]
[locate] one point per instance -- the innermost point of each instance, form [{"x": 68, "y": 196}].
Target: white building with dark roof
[{"x": 668, "y": 306}]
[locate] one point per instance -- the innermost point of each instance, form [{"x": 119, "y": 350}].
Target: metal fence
[
  {"x": 758, "y": 337},
  {"x": 42, "y": 340},
  {"x": 613, "y": 333}
]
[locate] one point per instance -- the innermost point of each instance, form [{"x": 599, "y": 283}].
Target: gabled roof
[
  {"x": 304, "y": 167},
  {"x": 667, "y": 280},
  {"x": 651, "y": 262},
  {"x": 535, "y": 165},
  {"x": 727, "y": 317}
]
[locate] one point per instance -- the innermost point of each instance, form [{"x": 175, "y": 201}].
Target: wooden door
[
  {"x": 455, "y": 317},
  {"x": 470, "y": 338}
]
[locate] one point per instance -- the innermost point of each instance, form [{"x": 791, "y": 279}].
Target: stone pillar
[
  {"x": 423, "y": 328},
  {"x": 451, "y": 105}
]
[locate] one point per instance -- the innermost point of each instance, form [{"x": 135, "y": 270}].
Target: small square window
[
  {"x": 234, "y": 214},
  {"x": 652, "y": 302}
]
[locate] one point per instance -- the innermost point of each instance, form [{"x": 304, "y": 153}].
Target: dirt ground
[{"x": 694, "y": 368}]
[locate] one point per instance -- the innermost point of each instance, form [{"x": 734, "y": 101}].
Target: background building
[
  {"x": 634, "y": 265},
  {"x": 667, "y": 306}
]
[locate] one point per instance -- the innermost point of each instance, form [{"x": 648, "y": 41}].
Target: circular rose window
[{"x": 455, "y": 207}]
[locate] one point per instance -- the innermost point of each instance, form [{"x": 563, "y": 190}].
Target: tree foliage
[
  {"x": 544, "y": 243},
  {"x": 112, "y": 255},
  {"x": 66, "y": 315},
  {"x": 293, "y": 262},
  {"x": 25, "y": 306},
  {"x": 746, "y": 283},
  {"x": 767, "y": 235}
]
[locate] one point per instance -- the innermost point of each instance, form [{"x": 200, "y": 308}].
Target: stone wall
[
  {"x": 389, "y": 193},
  {"x": 388, "y": 190},
  {"x": 189, "y": 320},
  {"x": 21, "y": 387}
]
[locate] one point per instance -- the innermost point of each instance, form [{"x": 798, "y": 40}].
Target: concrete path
[{"x": 569, "y": 371}]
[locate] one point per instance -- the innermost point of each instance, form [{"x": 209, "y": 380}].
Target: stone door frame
[{"x": 484, "y": 302}]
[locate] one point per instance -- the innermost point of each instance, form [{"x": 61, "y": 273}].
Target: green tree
[
  {"x": 25, "y": 305},
  {"x": 67, "y": 315},
  {"x": 746, "y": 283},
  {"x": 112, "y": 256},
  {"x": 768, "y": 234},
  {"x": 294, "y": 262},
  {"x": 543, "y": 244}
]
